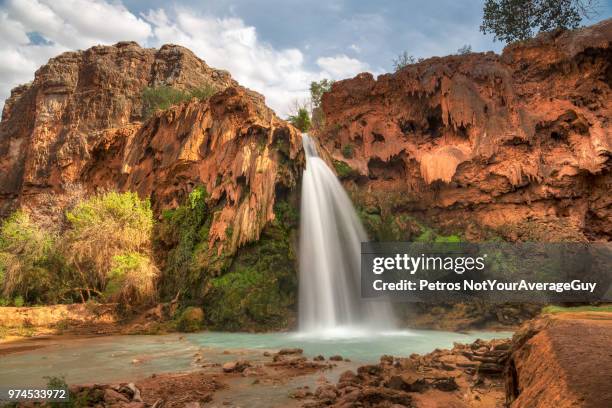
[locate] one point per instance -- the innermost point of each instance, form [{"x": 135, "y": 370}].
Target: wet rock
[
  {"x": 235, "y": 366},
  {"x": 319, "y": 358},
  {"x": 336, "y": 358},
  {"x": 300, "y": 393},
  {"x": 326, "y": 393},
  {"x": 286, "y": 351},
  {"x": 114, "y": 397},
  {"x": 407, "y": 382}
]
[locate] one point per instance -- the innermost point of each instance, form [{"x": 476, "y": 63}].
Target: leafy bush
[
  {"x": 131, "y": 279},
  {"x": 163, "y": 97},
  {"x": 191, "y": 319},
  {"x": 27, "y": 252},
  {"x": 109, "y": 242},
  {"x": 18, "y": 301},
  {"x": 301, "y": 119},
  {"x": 343, "y": 169}
]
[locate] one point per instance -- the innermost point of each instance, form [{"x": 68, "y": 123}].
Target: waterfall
[{"x": 330, "y": 251}]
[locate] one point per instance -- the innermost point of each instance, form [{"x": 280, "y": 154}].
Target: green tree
[
  {"x": 466, "y": 49},
  {"x": 108, "y": 243},
  {"x": 517, "y": 20},
  {"x": 301, "y": 119},
  {"x": 402, "y": 60},
  {"x": 317, "y": 89},
  {"x": 27, "y": 253}
]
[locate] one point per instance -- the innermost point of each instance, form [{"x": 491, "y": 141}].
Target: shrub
[
  {"x": 402, "y": 60},
  {"x": 343, "y": 169},
  {"x": 18, "y": 301},
  {"x": 131, "y": 279},
  {"x": 191, "y": 319},
  {"x": 26, "y": 258},
  {"x": 163, "y": 97},
  {"x": 465, "y": 50},
  {"x": 301, "y": 119},
  {"x": 348, "y": 150},
  {"x": 109, "y": 241}
]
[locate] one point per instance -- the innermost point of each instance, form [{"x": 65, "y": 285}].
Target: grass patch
[
  {"x": 163, "y": 97},
  {"x": 343, "y": 169}
]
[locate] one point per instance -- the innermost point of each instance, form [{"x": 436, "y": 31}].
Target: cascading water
[{"x": 330, "y": 251}]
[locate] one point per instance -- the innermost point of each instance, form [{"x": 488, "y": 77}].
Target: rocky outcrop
[
  {"x": 562, "y": 361},
  {"x": 469, "y": 375},
  {"x": 51, "y": 126},
  {"x": 79, "y": 124},
  {"x": 227, "y": 161},
  {"x": 516, "y": 145}
]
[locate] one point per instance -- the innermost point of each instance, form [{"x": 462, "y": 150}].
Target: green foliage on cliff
[
  {"x": 348, "y": 150},
  {"x": 163, "y": 97},
  {"x": 317, "y": 89},
  {"x": 301, "y": 119},
  {"x": 343, "y": 170},
  {"x": 259, "y": 290},
  {"x": 183, "y": 231}
]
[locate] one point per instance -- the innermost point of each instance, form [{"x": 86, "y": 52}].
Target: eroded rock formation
[
  {"x": 517, "y": 145},
  {"x": 79, "y": 123},
  {"x": 78, "y": 128},
  {"x": 51, "y": 126}
]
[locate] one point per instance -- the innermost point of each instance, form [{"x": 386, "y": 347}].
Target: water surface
[{"x": 129, "y": 358}]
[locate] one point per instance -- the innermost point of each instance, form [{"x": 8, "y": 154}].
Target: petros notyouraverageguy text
[{"x": 487, "y": 285}]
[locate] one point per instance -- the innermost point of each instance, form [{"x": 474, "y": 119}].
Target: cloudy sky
[{"x": 276, "y": 47}]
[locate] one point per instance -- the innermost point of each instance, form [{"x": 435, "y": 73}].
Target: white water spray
[{"x": 330, "y": 251}]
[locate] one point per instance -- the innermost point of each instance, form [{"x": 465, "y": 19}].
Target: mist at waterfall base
[{"x": 330, "y": 304}]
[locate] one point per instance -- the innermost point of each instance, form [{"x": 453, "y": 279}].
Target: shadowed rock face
[
  {"x": 79, "y": 124},
  {"x": 517, "y": 144}
]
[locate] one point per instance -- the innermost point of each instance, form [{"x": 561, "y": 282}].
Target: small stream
[{"x": 129, "y": 358}]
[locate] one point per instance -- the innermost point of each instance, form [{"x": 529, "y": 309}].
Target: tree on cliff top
[
  {"x": 517, "y": 20},
  {"x": 317, "y": 89}
]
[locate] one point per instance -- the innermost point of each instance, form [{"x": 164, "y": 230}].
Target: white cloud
[
  {"x": 342, "y": 66},
  {"x": 281, "y": 75}
]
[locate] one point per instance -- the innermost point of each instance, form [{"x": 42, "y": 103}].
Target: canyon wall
[
  {"x": 515, "y": 146},
  {"x": 79, "y": 124},
  {"x": 221, "y": 172}
]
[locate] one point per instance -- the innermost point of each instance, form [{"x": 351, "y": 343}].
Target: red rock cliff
[
  {"x": 518, "y": 143},
  {"x": 79, "y": 123}
]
